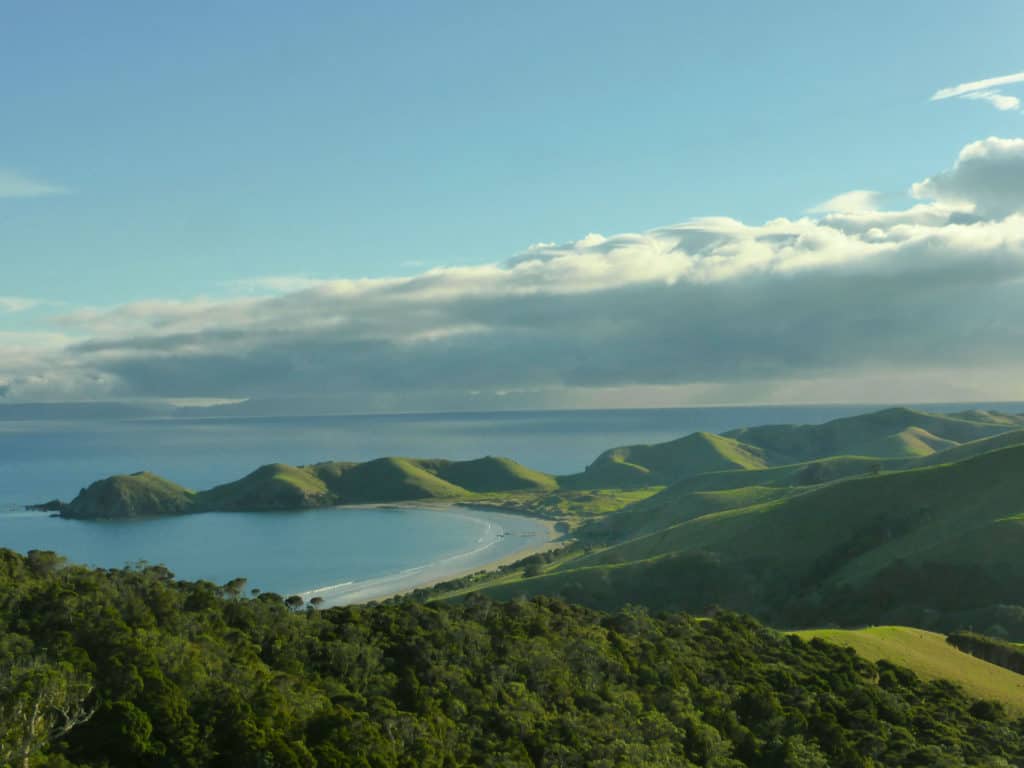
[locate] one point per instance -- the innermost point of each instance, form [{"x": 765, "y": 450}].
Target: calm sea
[{"x": 302, "y": 551}]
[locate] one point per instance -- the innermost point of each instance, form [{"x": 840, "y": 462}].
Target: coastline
[{"x": 545, "y": 538}]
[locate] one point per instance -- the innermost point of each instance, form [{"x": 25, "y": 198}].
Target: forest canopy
[{"x": 132, "y": 667}]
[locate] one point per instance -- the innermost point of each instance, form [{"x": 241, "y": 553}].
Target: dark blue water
[{"x": 43, "y": 459}]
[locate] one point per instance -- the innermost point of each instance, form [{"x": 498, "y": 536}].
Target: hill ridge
[{"x": 278, "y": 486}]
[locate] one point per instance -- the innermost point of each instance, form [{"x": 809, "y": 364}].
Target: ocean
[{"x": 295, "y": 552}]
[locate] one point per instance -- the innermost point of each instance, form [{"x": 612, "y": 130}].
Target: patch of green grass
[{"x": 931, "y": 658}]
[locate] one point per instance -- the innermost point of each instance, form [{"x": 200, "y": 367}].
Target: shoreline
[{"x": 392, "y": 585}]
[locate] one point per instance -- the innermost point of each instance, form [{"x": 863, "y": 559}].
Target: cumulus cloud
[
  {"x": 708, "y": 306},
  {"x": 985, "y": 90},
  {"x": 988, "y": 176},
  {"x": 13, "y": 185}
]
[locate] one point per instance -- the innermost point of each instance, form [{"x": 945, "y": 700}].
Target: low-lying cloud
[{"x": 713, "y": 304}]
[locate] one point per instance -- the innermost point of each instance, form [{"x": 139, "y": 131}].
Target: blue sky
[{"x": 187, "y": 151}]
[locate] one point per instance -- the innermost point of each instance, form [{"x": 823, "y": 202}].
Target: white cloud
[
  {"x": 713, "y": 308},
  {"x": 988, "y": 176},
  {"x": 1000, "y": 101},
  {"x": 855, "y": 201},
  {"x": 977, "y": 85},
  {"x": 985, "y": 90},
  {"x": 14, "y": 185}
]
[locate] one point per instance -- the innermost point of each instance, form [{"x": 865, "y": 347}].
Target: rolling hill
[
  {"x": 283, "y": 487},
  {"x": 663, "y": 463},
  {"x": 920, "y": 546},
  {"x": 894, "y": 438},
  {"x": 890, "y": 433}
]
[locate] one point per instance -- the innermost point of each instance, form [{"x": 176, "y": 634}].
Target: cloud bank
[{"x": 932, "y": 295}]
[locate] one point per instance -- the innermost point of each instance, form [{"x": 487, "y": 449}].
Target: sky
[{"x": 419, "y": 206}]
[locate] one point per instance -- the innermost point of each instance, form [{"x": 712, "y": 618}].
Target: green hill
[
  {"x": 392, "y": 479},
  {"x": 663, "y": 463},
  {"x": 931, "y": 658},
  {"x": 816, "y": 472},
  {"x": 922, "y": 546},
  {"x": 283, "y": 487},
  {"x": 137, "y": 495},
  {"x": 973, "y": 448},
  {"x": 842, "y": 447},
  {"x": 273, "y": 486},
  {"x": 491, "y": 474},
  {"x": 893, "y": 433}
]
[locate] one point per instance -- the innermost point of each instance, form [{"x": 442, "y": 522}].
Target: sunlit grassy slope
[
  {"x": 930, "y": 657},
  {"x": 281, "y": 486},
  {"x": 894, "y": 433},
  {"x": 940, "y": 539},
  {"x": 663, "y": 463},
  {"x": 273, "y": 486}
]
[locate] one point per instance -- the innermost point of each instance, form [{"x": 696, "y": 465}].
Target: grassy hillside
[
  {"x": 923, "y": 546},
  {"x": 839, "y": 448},
  {"x": 137, "y": 495},
  {"x": 660, "y": 512},
  {"x": 491, "y": 474},
  {"x": 931, "y": 658},
  {"x": 664, "y": 463},
  {"x": 817, "y": 472},
  {"x": 973, "y": 448},
  {"x": 283, "y": 487},
  {"x": 392, "y": 479},
  {"x": 273, "y": 486},
  {"x": 893, "y": 433}
]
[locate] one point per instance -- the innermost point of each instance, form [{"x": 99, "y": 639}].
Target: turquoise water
[{"x": 342, "y": 554}]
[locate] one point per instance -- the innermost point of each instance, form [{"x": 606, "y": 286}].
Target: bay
[
  {"x": 339, "y": 554},
  {"x": 292, "y": 552}
]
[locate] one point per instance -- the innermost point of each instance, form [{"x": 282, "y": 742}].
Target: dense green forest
[{"x": 132, "y": 668}]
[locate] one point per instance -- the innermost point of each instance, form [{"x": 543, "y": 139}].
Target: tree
[{"x": 40, "y": 703}]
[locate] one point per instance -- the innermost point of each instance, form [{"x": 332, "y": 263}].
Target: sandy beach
[{"x": 506, "y": 543}]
